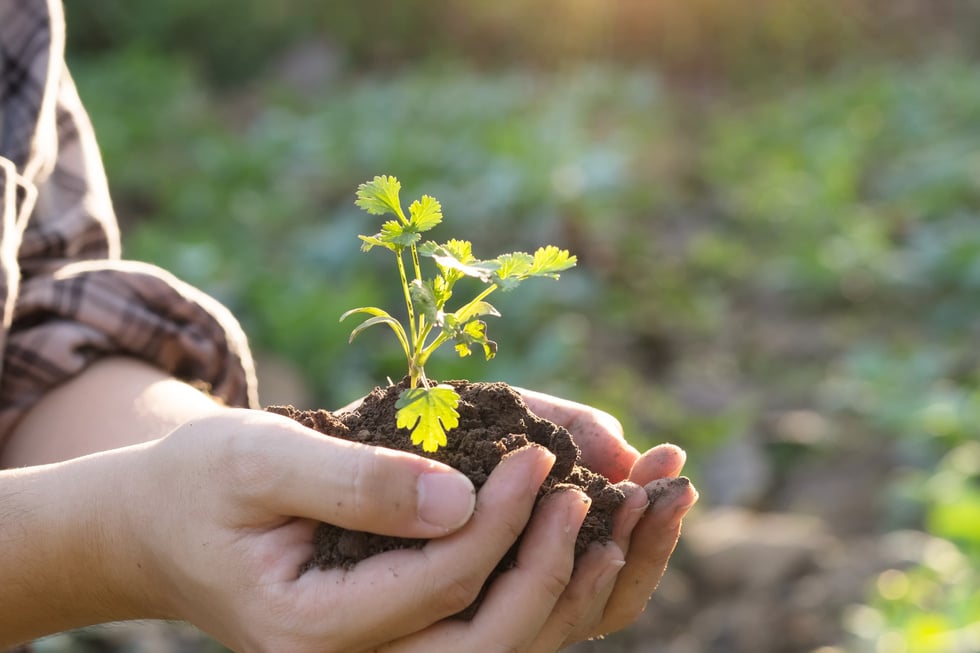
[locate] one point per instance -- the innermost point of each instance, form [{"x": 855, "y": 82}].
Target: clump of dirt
[{"x": 493, "y": 421}]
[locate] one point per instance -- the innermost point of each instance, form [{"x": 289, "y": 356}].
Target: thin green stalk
[
  {"x": 415, "y": 262},
  {"x": 413, "y": 367},
  {"x": 483, "y": 295}
]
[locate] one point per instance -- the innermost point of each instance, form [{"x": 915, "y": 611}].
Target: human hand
[
  {"x": 645, "y": 532},
  {"x": 225, "y": 513}
]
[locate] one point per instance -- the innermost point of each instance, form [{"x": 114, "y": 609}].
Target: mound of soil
[{"x": 493, "y": 420}]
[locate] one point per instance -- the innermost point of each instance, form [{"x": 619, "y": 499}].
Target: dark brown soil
[{"x": 493, "y": 420}]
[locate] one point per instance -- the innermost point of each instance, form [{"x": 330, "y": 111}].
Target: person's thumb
[{"x": 293, "y": 471}]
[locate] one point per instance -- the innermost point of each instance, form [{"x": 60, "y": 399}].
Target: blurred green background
[{"x": 775, "y": 204}]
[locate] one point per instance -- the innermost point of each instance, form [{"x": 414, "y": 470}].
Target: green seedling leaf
[
  {"x": 429, "y": 297},
  {"x": 380, "y": 317},
  {"x": 449, "y": 264},
  {"x": 518, "y": 266},
  {"x": 380, "y": 196},
  {"x": 476, "y": 309},
  {"x": 371, "y": 242},
  {"x": 429, "y": 413},
  {"x": 462, "y": 250},
  {"x": 394, "y": 235},
  {"x": 549, "y": 261},
  {"x": 474, "y": 333},
  {"x": 401, "y": 235},
  {"x": 424, "y": 214},
  {"x": 370, "y": 322},
  {"x": 513, "y": 268}
]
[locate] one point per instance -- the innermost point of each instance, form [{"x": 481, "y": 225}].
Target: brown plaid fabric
[{"x": 66, "y": 298}]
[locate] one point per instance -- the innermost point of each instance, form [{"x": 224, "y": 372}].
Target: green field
[{"x": 777, "y": 222}]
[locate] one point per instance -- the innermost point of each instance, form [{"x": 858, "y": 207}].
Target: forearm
[
  {"x": 116, "y": 402},
  {"x": 66, "y": 548},
  {"x": 63, "y": 562}
]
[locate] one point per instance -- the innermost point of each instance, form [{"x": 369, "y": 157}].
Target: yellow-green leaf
[
  {"x": 380, "y": 196},
  {"x": 549, "y": 261},
  {"x": 380, "y": 317},
  {"x": 426, "y": 213},
  {"x": 429, "y": 413},
  {"x": 398, "y": 234},
  {"x": 513, "y": 269},
  {"x": 452, "y": 268}
]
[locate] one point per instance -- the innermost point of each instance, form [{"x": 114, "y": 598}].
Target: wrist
[
  {"x": 101, "y": 520},
  {"x": 62, "y": 566},
  {"x": 109, "y": 521}
]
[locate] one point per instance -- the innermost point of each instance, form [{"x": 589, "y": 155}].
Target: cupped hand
[
  {"x": 646, "y": 526},
  {"x": 225, "y": 519}
]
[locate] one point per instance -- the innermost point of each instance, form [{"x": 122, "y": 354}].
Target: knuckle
[
  {"x": 242, "y": 458},
  {"x": 456, "y": 593},
  {"x": 555, "y": 582},
  {"x": 244, "y": 462},
  {"x": 513, "y": 529},
  {"x": 571, "y": 622},
  {"x": 608, "y": 423}
]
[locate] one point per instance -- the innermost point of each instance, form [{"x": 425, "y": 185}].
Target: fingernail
[
  {"x": 682, "y": 505},
  {"x": 445, "y": 499},
  {"x": 577, "y": 510},
  {"x": 530, "y": 457},
  {"x": 669, "y": 452},
  {"x": 664, "y": 492},
  {"x": 671, "y": 498},
  {"x": 576, "y": 507},
  {"x": 636, "y": 505}
]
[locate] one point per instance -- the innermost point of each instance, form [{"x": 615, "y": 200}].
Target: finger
[
  {"x": 525, "y": 597},
  {"x": 581, "y": 606},
  {"x": 280, "y": 468},
  {"x": 662, "y": 461},
  {"x": 652, "y": 544},
  {"x": 439, "y": 580},
  {"x": 598, "y": 434},
  {"x": 521, "y": 601},
  {"x": 629, "y": 513},
  {"x": 627, "y": 516}
]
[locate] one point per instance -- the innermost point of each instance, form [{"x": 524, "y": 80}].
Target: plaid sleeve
[
  {"x": 90, "y": 309},
  {"x": 66, "y": 298}
]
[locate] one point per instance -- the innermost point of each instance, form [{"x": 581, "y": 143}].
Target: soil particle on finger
[{"x": 666, "y": 489}]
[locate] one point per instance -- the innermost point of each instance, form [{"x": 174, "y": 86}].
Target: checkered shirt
[{"x": 66, "y": 297}]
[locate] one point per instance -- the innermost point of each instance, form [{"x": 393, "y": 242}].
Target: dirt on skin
[{"x": 493, "y": 421}]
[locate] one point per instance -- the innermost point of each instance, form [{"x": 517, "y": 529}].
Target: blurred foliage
[
  {"x": 859, "y": 207},
  {"x": 698, "y": 39},
  {"x": 782, "y": 218},
  {"x": 227, "y": 205}
]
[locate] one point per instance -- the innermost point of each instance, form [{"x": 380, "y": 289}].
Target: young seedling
[{"x": 427, "y": 410}]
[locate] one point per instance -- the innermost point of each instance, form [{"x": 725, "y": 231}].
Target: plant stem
[
  {"x": 483, "y": 295},
  {"x": 414, "y": 367},
  {"x": 422, "y": 331}
]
